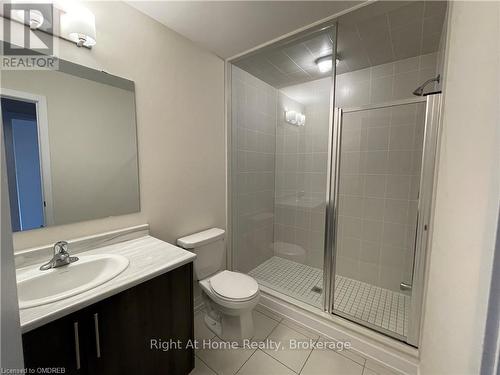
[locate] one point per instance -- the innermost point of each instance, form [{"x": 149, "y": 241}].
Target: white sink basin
[{"x": 35, "y": 287}]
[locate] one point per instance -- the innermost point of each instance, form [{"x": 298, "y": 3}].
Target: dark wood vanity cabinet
[
  {"x": 114, "y": 336},
  {"x": 54, "y": 346}
]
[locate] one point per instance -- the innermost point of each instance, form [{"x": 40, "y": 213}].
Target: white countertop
[{"x": 148, "y": 256}]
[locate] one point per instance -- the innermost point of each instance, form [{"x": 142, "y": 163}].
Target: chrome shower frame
[{"x": 424, "y": 210}]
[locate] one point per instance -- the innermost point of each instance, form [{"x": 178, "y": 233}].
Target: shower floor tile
[
  {"x": 291, "y": 278},
  {"x": 380, "y": 308}
]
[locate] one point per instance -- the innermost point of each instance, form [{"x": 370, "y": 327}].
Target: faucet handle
[
  {"x": 61, "y": 247},
  {"x": 61, "y": 257}
]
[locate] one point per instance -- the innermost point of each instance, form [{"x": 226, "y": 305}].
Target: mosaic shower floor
[{"x": 378, "y": 307}]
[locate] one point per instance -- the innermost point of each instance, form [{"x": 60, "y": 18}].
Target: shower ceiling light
[{"x": 324, "y": 63}]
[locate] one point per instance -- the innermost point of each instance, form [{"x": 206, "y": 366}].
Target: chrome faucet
[{"x": 61, "y": 257}]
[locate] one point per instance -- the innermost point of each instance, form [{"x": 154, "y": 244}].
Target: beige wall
[
  {"x": 180, "y": 120},
  {"x": 467, "y": 194},
  {"x": 92, "y": 143}
]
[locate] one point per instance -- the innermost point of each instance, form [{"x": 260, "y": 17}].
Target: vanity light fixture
[
  {"x": 291, "y": 117},
  {"x": 295, "y": 118},
  {"x": 301, "y": 119},
  {"x": 35, "y": 17},
  {"x": 78, "y": 25},
  {"x": 324, "y": 63}
]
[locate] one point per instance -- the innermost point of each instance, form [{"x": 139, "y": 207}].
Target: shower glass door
[
  {"x": 280, "y": 125},
  {"x": 379, "y": 155}
]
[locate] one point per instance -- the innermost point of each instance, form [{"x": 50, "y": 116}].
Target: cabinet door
[
  {"x": 159, "y": 309},
  {"x": 60, "y": 344}
]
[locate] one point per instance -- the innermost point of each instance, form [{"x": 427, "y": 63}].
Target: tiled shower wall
[
  {"x": 253, "y": 169},
  {"x": 380, "y": 167},
  {"x": 267, "y": 217},
  {"x": 289, "y": 217},
  {"x": 301, "y": 165},
  {"x": 383, "y": 83}
]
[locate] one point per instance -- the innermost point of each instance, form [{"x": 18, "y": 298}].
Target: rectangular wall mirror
[{"x": 71, "y": 145}]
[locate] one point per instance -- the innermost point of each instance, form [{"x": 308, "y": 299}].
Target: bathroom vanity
[{"x": 117, "y": 327}]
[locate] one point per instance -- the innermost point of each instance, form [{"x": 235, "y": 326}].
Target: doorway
[{"x": 27, "y": 161}]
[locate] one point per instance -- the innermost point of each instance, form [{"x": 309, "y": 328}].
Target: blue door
[{"x": 23, "y": 164}]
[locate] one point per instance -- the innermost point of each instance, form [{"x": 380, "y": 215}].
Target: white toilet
[{"x": 229, "y": 297}]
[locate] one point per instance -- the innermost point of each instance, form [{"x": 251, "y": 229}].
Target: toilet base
[
  {"x": 232, "y": 325},
  {"x": 213, "y": 325}
]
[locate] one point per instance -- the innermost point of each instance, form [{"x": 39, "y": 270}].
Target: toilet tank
[{"x": 209, "y": 249}]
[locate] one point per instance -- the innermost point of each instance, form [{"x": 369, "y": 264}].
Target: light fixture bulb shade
[
  {"x": 79, "y": 27},
  {"x": 291, "y": 117},
  {"x": 295, "y": 118},
  {"x": 301, "y": 119},
  {"x": 35, "y": 18},
  {"x": 324, "y": 64}
]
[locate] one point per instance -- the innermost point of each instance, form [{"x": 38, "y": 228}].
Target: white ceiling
[
  {"x": 228, "y": 28},
  {"x": 381, "y": 32}
]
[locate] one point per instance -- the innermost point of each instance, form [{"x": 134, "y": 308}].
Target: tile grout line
[
  {"x": 277, "y": 360},
  {"x": 243, "y": 364},
  {"x": 307, "y": 359},
  {"x": 277, "y": 325},
  {"x": 205, "y": 363}
]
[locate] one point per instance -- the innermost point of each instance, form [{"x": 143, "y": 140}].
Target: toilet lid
[{"x": 234, "y": 285}]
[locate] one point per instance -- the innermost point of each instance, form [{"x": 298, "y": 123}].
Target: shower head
[{"x": 419, "y": 91}]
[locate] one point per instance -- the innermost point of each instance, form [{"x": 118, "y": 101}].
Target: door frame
[
  {"x": 428, "y": 181},
  {"x": 43, "y": 146}
]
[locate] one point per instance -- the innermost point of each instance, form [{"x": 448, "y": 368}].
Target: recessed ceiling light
[{"x": 324, "y": 63}]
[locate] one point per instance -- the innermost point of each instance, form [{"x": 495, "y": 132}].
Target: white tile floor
[
  {"x": 287, "y": 361},
  {"x": 379, "y": 307}
]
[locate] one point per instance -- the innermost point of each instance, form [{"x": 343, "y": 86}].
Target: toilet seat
[{"x": 234, "y": 286}]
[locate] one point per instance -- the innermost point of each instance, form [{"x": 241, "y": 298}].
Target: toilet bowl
[{"x": 229, "y": 297}]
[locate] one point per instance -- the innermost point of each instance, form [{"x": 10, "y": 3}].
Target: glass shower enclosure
[
  {"x": 331, "y": 165},
  {"x": 280, "y": 124}
]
